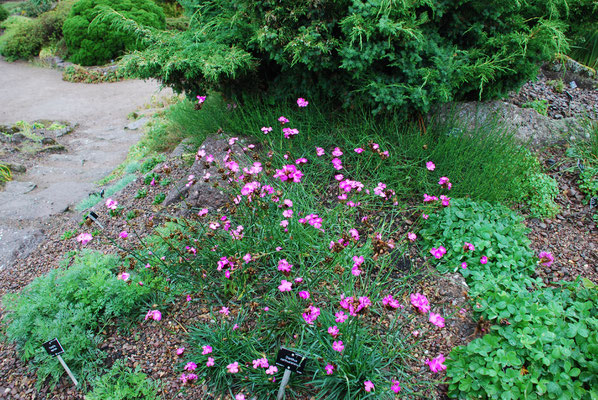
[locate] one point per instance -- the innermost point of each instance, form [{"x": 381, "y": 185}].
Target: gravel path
[{"x": 54, "y": 182}]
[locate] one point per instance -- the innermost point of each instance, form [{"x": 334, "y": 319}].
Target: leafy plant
[
  {"x": 76, "y": 73},
  {"x": 72, "y": 305},
  {"x": 159, "y": 198},
  {"x": 34, "y": 8},
  {"x": 541, "y": 106},
  {"x": 68, "y": 234},
  {"x": 92, "y": 41},
  {"x": 544, "y": 348},
  {"x": 557, "y": 85},
  {"x": 5, "y": 173},
  {"x": 123, "y": 383},
  {"x": 141, "y": 193}
]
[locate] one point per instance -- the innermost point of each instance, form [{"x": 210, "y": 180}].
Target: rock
[
  {"x": 17, "y": 168},
  {"x": 16, "y": 187},
  {"x": 18, "y": 138},
  {"x": 527, "y": 125},
  {"x": 204, "y": 194},
  {"x": 49, "y": 141},
  {"x": 133, "y": 126},
  {"x": 57, "y": 148},
  {"x": 184, "y": 147}
]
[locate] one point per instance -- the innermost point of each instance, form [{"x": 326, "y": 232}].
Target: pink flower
[
  {"x": 468, "y": 247},
  {"x": 284, "y": 266},
  {"x": 180, "y": 351},
  {"x": 484, "y": 260},
  {"x": 289, "y": 173},
  {"x": 436, "y": 364},
  {"x": 311, "y": 315},
  {"x": 425, "y": 216},
  {"x": 247, "y": 258},
  {"x": 201, "y": 99},
  {"x": 428, "y": 198},
  {"x": 546, "y": 258},
  {"x": 430, "y": 166},
  {"x": 304, "y": 294},
  {"x": 411, "y": 236},
  {"x": 436, "y": 319},
  {"x": 210, "y": 362},
  {"x": 191, "y": 366},
  {"x": 224, "y": 310},
  {"x": 301, "y": 160},
  {"x": 288, "y": 132},
  {"x": 391, "y": 302},
  {"x": 282, "y": 120},
  {"x": 153, "y": 314},
  {"x": 338, "y": 346},
  {"x": 301, "y": 102},
  {"x": 285, "y": 286},
  {"x": 123, "y": 276},
  {"x": 354, "y": 234},
  {"x": 329, "y": 369},
  {"x": 340, "y": 317},
  {"x": 337, "y": 152},
  {"x": 206, "y": 349},
  {"x": 359, "y": 150},
  {"x": 320, "y": 151},
  {"x": 260, "y": 363},
  {"x": 111, "y": 204},
  {"x": 232, "y": 140},
  {"x": 420, "y": 302},
  {"x": 240, "y": 396},
  {"x": 84, "y": 238},
  {"x": 124, "y": 235},
  {"x": 287, "y": 213},
  {"x": 355, "y": 271},
  {"x": 333, "y": 330},
  {"x": 464, "y": 265},
  {"x": 446, "y": 201},
  {"x": 271, "y": 370},
  {"x": 439, "y": 252},
  {"x": 233, "y": 368},
  {"x": 395, "y": 386},
  {"x": 369, "y": 386},
  {"x": 444, "y": 182},
  {"x": 266, "y": 130}
]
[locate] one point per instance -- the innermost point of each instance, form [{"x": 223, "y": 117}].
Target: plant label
[
  {"x": 53, "y": 347},
  {"x": 94, "y": 217},
  {"x": 291, "y": 361}
]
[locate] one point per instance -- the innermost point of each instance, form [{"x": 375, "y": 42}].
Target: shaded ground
[{"x": 53, "y": 182}]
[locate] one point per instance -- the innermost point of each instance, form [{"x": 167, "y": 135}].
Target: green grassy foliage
[
  {"x": 123, "y": 383},
  {"x": 72, "y": 304},
  {"x": 93, "y": 41},
  {"x": 24, "y": 38},
  {"x": 34, "y": 8},
  {"x": 389, "y": 55},
  {"x": 95, "y": 198}
]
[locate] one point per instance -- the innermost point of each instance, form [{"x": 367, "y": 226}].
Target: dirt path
[{"x": 97, "y": 146}]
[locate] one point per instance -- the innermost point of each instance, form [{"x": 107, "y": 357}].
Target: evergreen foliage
[
  {"x": 93, "y": 41},
  {"x": 388, "y": 54},
  {"x": 3, "y": 13}
]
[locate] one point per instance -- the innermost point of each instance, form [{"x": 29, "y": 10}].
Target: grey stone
[
  {"x": 16, "y": 187},
  {"x": 17, "y": 168},
  {"x": 49, "y": 141},
  {"x": 18, "y": 138},
  {"x": 185, "y": 146},
  {"x": 57, "y": 148},
  {"x": 137, "y": 124},
  {"x": 17, "y": 244}
]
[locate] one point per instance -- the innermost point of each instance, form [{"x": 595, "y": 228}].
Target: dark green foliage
[
  {"x": 93, "y": 41},
  {"x": 386, "y": 54},
  {"x": 33, "y": 8},
  {"x": 3, "y": 14},
  {"x": 70, "y": 304},
  {"x": 122, "y": 383},
  {"x": 24, "y": 40}
]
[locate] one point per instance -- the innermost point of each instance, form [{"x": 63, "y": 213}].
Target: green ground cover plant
[
  {"x": 93, "y": 41},
  {"x": 388, "y": 55},
  {"x": 34, "y": 8},
  {"x": 76, "y": 73},
  {"x": 95, "y": 198},
  {"x": 585, "y": 152},
  {"x": 73, "y": 303},
  {"x": 541, "y": 106},
  {"x": 543, "y": 341},
  {"x": 5, "y": 173},
  {"x": 123, "y": 383}
]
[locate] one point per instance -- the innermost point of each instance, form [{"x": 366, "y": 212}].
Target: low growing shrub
[
  {"x": 3, "y": 13},
  {"x": 406, "y": 55},
  {"x": 71, "y": 304},
  {"x": 34, "y": 8},
  {"x": 93, "y": 41}
]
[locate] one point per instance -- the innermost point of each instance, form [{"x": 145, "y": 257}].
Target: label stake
[
  {"x": 68, "y": 371},
  {"x": 283, "y": 383}
]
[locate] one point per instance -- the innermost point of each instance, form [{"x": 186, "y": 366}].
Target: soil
[{"x": 571, "y": 236}]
